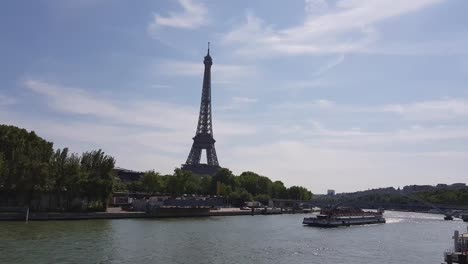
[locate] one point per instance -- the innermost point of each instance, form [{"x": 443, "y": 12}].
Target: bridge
[{"x": 416, "y": 206}]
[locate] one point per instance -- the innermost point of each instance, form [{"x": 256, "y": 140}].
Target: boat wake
[{"x": 394, "y": 220}]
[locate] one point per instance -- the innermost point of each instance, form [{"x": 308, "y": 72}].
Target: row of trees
[
  {"x": 428, "y": 198},
  {"x": 238, "y": 189},
  {"x": 451, "y": 197},
  {"x": 33, "y": 174}
]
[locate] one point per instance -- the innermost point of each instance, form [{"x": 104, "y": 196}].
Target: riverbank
[
  {"x": 113, "y": 213},
  {"x": 118, "y": 213}
]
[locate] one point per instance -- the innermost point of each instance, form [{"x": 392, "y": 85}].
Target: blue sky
[{"x": 339, "y": 94}]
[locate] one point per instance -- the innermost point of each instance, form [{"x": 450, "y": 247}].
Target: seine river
[{"x": 406, "y": 238}]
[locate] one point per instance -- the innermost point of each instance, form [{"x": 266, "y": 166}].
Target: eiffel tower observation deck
[{"x": 204, "y": 139}]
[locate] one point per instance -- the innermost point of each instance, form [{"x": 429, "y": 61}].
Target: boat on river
[
  {"x": 464, "y": 216},
  {"x": 459, "y": 253},
  {"x": 344, "y": 216}
]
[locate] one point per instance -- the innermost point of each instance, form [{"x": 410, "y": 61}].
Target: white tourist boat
[{"x": 344, "y": 216}]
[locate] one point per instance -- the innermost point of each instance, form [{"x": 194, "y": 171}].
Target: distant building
[
  {"x": 128, "y": 175},
  {"x": 330, "y": 192}
]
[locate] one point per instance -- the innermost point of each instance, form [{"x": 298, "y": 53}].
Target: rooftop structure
[{"x": 128, "y": 175}]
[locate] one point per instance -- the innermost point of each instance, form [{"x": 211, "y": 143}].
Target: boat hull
[
  {"x": 342, "y": 222},
  {"x": 465, "y": 217}
]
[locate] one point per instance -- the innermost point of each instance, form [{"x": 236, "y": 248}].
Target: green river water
[{"x": 406, "y": 238}]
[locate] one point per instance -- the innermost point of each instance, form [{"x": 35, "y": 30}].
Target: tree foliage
[
  {"x": 424, "y": 198},
  {"x": 29, "y": 168},
  {"x": 299, "y": 193},
  {"x": 25, "y": 159},
  {"x": 237, "y": 190}
]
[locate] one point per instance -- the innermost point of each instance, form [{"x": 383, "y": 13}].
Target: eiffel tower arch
[{"x": 204, "y": 139}]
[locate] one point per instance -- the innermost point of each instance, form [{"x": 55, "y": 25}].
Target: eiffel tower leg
[
  {"x": 211, "y": 157},
  {"x": 194, "y": 155}
]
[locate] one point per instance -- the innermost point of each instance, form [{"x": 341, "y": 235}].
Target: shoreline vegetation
[
  {"x": 34, "y": 175},
  {"x": 432, "y": 196}
]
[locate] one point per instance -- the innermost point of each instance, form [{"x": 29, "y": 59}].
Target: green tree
[
  {"x": 25, "y": 163},
  {"x": 119, "y": 186},
  {"x": 223, "y": 177},
  {"x": 254, "y": 183},
  {"x": 97, "y": 169},
  {"x": 224, "y": 190},
  {"x": 177, "y": 184},
  {"x": 65, "y": 170},
  {"x": 151, "y": 182},
  {"x": 205, "y": 185},
  {"x": 193, "y": 185},
  {"x": 135, "y": 187},
  {"x": 239, "y": 197},
  {"x": 278, "y": 190},
  {"x": 263, "y": 198},
  {"x": 299, "y": 193}
]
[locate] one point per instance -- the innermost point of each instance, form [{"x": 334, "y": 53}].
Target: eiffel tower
[{"x": 203, "y": 139}]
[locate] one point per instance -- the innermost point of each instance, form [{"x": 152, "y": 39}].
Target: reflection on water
[{"x": 407, "y": 238}]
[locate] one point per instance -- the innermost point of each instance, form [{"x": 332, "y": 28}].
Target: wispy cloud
[
  {"x": 357, "y": 138},
  {"x": 316, "y": 7},
  {"x": 315, "y": 104},
  {"x": 225, "y": 73},
  {"x": 329, "y": 65},
  {"x": 5, "y": 100},
  {"x": 349, "y": 26},
  {"x": 316, "y": 77},
  {"x": 141, "y": 113},
  {"x": 160, "y": 86},
  {"x": 441, "y": 109},
  {"x": 300, "y": 85},
  {"x": 238, "y": 103},
  {"x": 193, "y": 15},
  {"x": 244, "y": 100},
  {"x": 433, "y": 109}
]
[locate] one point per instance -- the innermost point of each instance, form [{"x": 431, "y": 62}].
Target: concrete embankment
[
  {"x": 230, "y": 212},
  {"x": 117, "y": 213},
  {"x": 43, "y": 216}
]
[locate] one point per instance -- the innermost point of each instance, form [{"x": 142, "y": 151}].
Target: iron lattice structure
[{"x": 204, "y": 139}]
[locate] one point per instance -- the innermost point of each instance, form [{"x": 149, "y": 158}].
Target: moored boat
[
  {"x": 464, "y": 216},
  {"x": 448, "y": 217},
  {"x": 459, "y": 253},
  {"x": 344, "y": 216}
]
